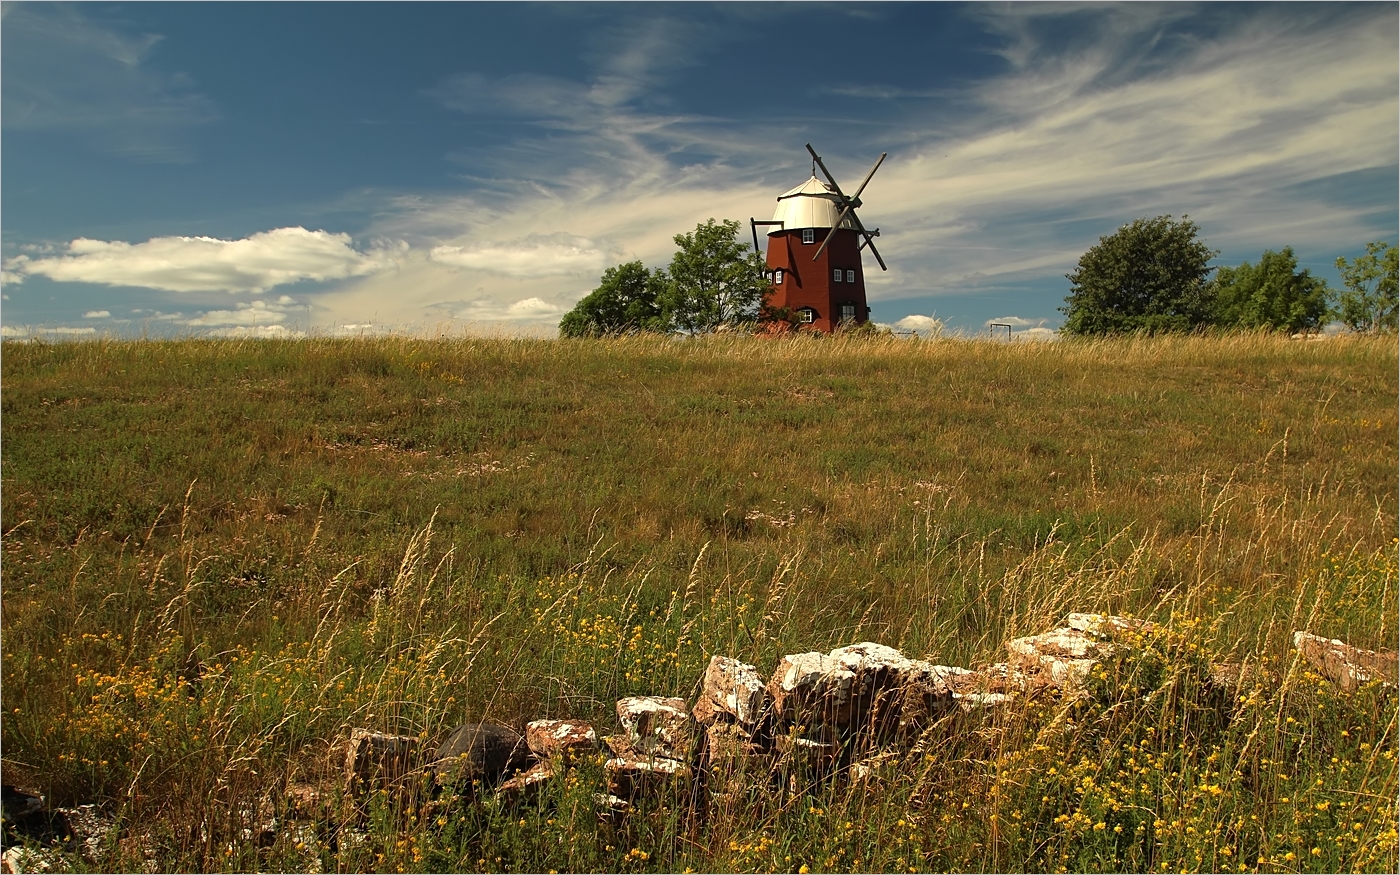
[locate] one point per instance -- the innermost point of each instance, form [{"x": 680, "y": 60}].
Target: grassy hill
[{"x": 218, "y": 556}]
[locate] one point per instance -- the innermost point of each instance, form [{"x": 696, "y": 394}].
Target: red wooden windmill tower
[{"x": 814, "y": 246}]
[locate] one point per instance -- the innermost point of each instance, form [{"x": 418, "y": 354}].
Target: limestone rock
[
  {"x": 19, "y": 859},
  {"x": 989, "y": 687},
  {"x": 812, "y": 687},
  {"x": 866, "y": 687},
  {"x": 548, "y": 738},
  {"x": 1232, "y": 677},
  {"x": 1346, "y": 666},
  {"x": 373, "y": 757},
  {"x": 90, "y": 830},
  {"x": 731, "y": 688},
  {"x": 925, "y": 692},
  {"x": 527, "y": 783},
  {"x": 657, "y": 726},
  {"x": 808, "y": 752},
  {"x": 629, "y": 777},
  {"x": 621, "y": 746},
  {"x": 725, "y": 741},
  {"x": 484, "y": 752},
  {"x": 610, "y": 807},
  {"x": 1061, "y": 657}
]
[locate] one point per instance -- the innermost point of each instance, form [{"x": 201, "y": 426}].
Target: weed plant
[{"x": 220, "y": 556}]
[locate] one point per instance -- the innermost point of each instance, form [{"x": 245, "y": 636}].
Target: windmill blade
[
  {"x": 855, "y": 198},
  {"x": 869, "y": 241},
  {"x": 848, "y": 203},
  {"x": 827, "y": 173}
]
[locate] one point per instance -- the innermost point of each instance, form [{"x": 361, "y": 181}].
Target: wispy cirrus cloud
[
  {"x": 206, "y": 264},
  {"x": 63, "y": 69},
  {"x": 1128, "y": 120},
  {"x": 1236, "y": 116}
]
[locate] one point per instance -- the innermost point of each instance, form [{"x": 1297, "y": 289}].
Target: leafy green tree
[
  {"x": 627, "y": 299},
  {"x": 1149, "y": 275},
  {"x": 1272, "y": 294},
  {"x": 714, "y": 280},
  {"x": 1369, "y": 301}
]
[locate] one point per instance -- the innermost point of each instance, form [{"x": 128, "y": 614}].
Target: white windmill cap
[{"x": 813, "y": 204}]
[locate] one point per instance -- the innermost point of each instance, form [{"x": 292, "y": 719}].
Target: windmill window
[
  {"x": 778, "y": 277},
  {"x": 807, "y": 315},
  {"x": 848, "y": 312},
  {"x": 836, "y": 275},
  {"x": 809, "y": 235},
  {"x": 850, "y": 276}
]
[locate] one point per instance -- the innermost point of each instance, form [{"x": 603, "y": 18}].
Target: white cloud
[
  {"x": 205, "y": 264},
  {"x": 534, "y": 308},
  {"x": 260, "y": 331},
  {"x": 928, "y": 325},
  {"x": 97, "y": 314},
  {"x": 1014, "y": 321},
  {"x": 22, "y": 332},
  {"x": 535, "y": 256},
  {"x": 1039, "y": 333},
  {"x": 256, "y": 313},
  {"x": 1020, "y": 328}
]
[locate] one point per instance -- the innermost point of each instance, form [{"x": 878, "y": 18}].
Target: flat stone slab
[
  {"x": 547, "y": 738},
  {"x": 866, "y": 685},
  {"x": 527, "y": 783},
  {"x": 1346, "y": 666},
  {"x": 631, "y": 776}
]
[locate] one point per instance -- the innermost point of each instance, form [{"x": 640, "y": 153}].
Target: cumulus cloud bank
[{"x": 206, "y": 264}]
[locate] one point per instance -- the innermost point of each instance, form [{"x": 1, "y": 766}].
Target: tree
[
  {"x": 627, "y": 299},
  {"x": 1150, "y": 275},
  {"x": 1369, "y": 301},
  {"x": 1273, "y": 294},
  {"x": 714, "y": 280}
]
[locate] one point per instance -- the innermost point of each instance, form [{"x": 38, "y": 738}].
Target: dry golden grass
[{"x": 405, "y": 535}]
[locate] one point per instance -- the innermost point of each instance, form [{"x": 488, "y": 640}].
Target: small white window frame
[
  {"x": 778, "y": 277},
  {"x": 850, "y": 276},
  {"x": 807, "y": 315},
  {"x": 836, "y": 274},
  {"x": 848, "y": 312},
  {"x": 809, "y": 235}
]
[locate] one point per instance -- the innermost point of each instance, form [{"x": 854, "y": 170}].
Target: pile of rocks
[{"x": 814, "y": 714}]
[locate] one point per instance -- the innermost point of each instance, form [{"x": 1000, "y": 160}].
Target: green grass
[{"x": 409, "y": 534}]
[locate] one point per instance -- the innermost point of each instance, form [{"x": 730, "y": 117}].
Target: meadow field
[{"x": 220, "y": 556}]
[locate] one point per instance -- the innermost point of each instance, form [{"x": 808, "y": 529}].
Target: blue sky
[{"x": 269, "y": 168}]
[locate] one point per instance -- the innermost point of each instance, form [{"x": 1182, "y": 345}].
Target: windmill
[{"x": 826, "y": 289}]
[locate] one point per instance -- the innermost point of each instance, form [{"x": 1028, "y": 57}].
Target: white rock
[
  {"x": 1346, "y": 666},
  {"x": 547, "y": 738},
  {"x": 733, "y": 688},
  {"x": 657, "y": 725}
]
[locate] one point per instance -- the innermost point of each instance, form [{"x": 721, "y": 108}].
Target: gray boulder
[{"x": 485, "y": 752}]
